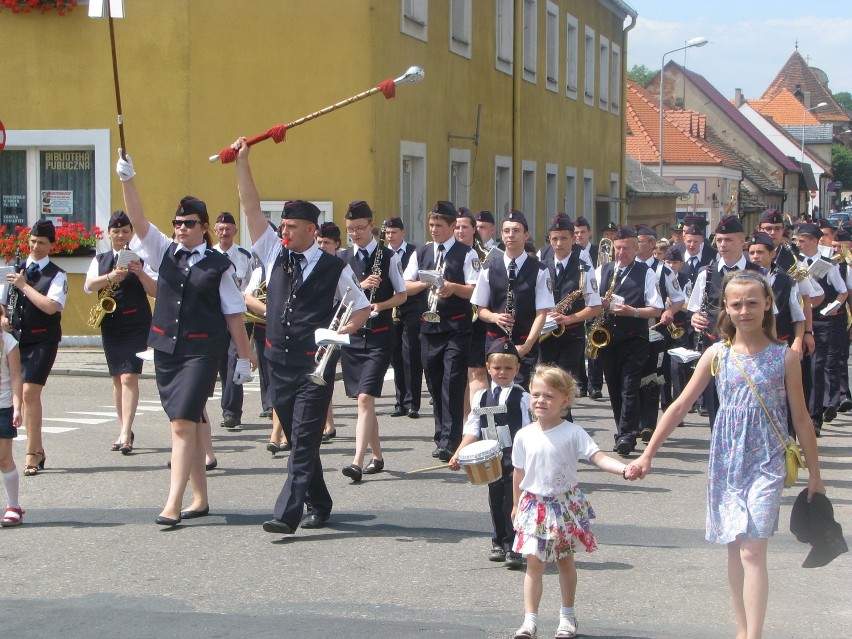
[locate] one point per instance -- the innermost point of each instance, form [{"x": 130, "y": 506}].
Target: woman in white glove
[{"x": 198, "y": 304}]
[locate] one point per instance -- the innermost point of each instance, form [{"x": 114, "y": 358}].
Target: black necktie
[
  {"x": 729, "y": 269},
  {"x": 693, "y": 263},
  {"x": 32, "y": 273},
  {"x": 182, "y": 257},
  {"x": 440, "y": 261},
  {"x": 497, "y": 395},
  {"x": 512, "y": 272},
  {"x": 559, "y": 270},
  {"x": 296, "y": 267},
  {"x": 365, "y": 257},
  {"x": 810, "y": 261},
  {"x": 618, "y": 274},
  {"x": 113, "y": 261}
]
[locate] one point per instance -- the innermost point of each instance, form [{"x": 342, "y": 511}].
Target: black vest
[
  {"x": 414, "y": 303},
  {"x": 132, "y": 309},
  {"x": 632, "y": 288},
  {"x": 37, "y": 327},
  {"x": 294, "y": 312},
  {"x": 512, "y": 417},
  {"x": 570, "y": 282},
  {"x": 781, "y": 288},
  {"x": 383, "y": 321},
  {"x": 712, "y": 287},
  {"x": 188, "y": 317},
  {"x": 456, "y": 313},
  {"x": 524, "y": 290}
]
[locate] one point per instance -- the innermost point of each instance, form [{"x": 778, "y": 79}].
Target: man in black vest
[
  {"x": 515, "y": 295},
  {"x": 35, "y": 321},
  {"x": 407, "y": 361},
  {"x": 704, "y": 301},
  {"x": 445, "y": 331},
  {"x": 841, "y": 242},
  {"x": 623, "y": 359},
  {"x": 487, "y": 228},
  {"x": 365, "y": 361},
  {"x": 590, "y": 384},
  {"x": 303, "y": 282}
]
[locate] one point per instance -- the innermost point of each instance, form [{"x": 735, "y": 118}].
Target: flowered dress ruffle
[
  {"x": 746, "y": 471},
  {"x": 551, "y": 527}
]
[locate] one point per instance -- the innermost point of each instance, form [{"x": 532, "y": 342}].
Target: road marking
[{"x": 78, "y": 420}]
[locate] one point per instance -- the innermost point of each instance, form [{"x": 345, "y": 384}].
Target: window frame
[
  {"x": 461, "y": 43},
  {"x": 570, "y": 191},
  {"x": 414, "y": 18},
  {"x": 528, "y": 195},
  {"x": 604, "y": 72},
  {"x": 590, "y": 53},
  {"x": 504, "y": 56},
  {"x": 551, "y": 56},
  {"x": 530, "y": 44},
  {"x": 572, "y": 56},
  {"x": 502, "y": 163},
  {"x": 615, "y": 79},
  {"x": 551, "y": 183},
  {"x": 459, "y": 156},
  {"x": 415, "y": 232}
]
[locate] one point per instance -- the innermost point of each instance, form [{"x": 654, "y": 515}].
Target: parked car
[{"x": 841, "y": 220}]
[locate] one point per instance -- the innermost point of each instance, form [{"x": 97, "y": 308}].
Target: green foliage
[
  {"x": 844, "y": 98},
  {"x": 841, "y": 164},
  {"x": 641, "y": 74}
]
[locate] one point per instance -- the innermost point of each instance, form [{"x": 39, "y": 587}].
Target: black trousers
[
  {"x": 500, "y": 501},
  {"x": 567, "y": 352},
  {"x": 650, "y": 386},
  {"x": 445, "y": 358},
  {"x": 232, "y": 394},
  {"x": 262, "y": 364},
  {"x": 822, "y": 370},
  {"x": 407, "y": 361},
  {"x": 303, "y": 405},
  {"x": 623, "y": 363},
  {"x": 838, "y": 353}
]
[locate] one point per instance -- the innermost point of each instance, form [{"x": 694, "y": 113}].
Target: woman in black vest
[
  {"x": 124, "y": 331},
  {"x": 190, "y": 338}
]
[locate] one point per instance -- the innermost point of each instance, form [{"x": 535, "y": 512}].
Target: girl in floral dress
[
  {"x": 746, "y": 470},
  {"x": 551, "y": 513}
]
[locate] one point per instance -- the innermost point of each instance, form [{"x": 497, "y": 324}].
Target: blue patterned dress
[{"x": 746, "y": 471}]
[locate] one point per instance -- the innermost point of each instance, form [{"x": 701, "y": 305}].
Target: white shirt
[
  {"x": 93, "y": 272},
  {"x": 9, "y": 344},
  {"x": 472, "y": 425},
  {"x": 591, "y": 294},
  {"x": 694, "y": 304},
  {"x": 543, "y": 286},
  {"x": 241, "y": 262},
  {"x": 672, "y": 285},
  {"x": 652, "y": 292},
  {"x": 155, "y": 246},
  {"x": 833, "y": 277},
  {"x": 394, "y": 269},
  {"x": 58, "y": 290},
  {"x": 471, "y": 263},
  {"x": 549, "y": 457}
]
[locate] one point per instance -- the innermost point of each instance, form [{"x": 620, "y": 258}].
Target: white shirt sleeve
[
  {"x": 544, "y": 291},
  {"x": 412, "y": 270},
  {"x": 836, "y": 279},
  {"x": 471, "y": 272},
  {"x": 395, "y": 274},
  {"x": 471, "y": 425},
  {"x": 652, "y": 293},
  {"x": 796, "y": 312},
  {"x": 267, "y": 247},
  {"x": 230, "y": 295},
  {"x": 91, "y": 274},
  {"x": 155, "y": 246},
  {"x": 482, "y": 292},
  {"x": 694, "y": 304},
  {"x": 58, "y": 290},
  {"x": 355, "y": 294},
  {"x": 673, "y": 286},
  {"x": 591, "y": 291},
  {"x": 254, "y": 281}
]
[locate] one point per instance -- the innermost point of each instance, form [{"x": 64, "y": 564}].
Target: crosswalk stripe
[{"x": 78, "y": 420}]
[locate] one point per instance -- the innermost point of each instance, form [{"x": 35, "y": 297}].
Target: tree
[
  {"x": 844, "y": 98},
  {"x": 841, "y": 164},
  {"x": 641, "y": 74}
]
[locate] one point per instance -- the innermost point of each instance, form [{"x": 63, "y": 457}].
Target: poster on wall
[
  {"x": 13, "y": 210},
  {"x": 57, "y": 203}
]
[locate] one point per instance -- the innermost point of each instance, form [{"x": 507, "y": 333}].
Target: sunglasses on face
[{"x": 190, "y": 224}]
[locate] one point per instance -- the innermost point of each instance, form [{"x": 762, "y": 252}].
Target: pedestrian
[
  {"x": 11, "y": 401},
  {"x": 124, "y": 330},
  {"x": 550, "y": 512},
  {"x": 198, "y": 304},
  {"x": 747, "y": 458}
]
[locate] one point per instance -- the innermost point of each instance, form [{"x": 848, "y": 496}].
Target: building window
[
  {"x": 272, "y": 210},
  {"x": 412, "y": 189},
  {"x": 552, "y": 53},
  {"x": 58, "y": 175},
  {"x": 530, "y": 39},
  {"x": 414, "y": 18},
  {"x": 604, "y": 74},
  {"x": 459, "y": 177},
  {"x": 588, "y": 193},
  {"x": 528, "y": 170},
  {"x": 615, "y": 80},
  {"x": 460, "y": 27},
  {"x": 570, "y": 206},
  {"x": 589, "y": 62},
  {"x": 572, "y": 53},
  {"x": 505, "y": 34},
  {"x": 502, "y": 186},
  {"x": 550, "y": 187}
]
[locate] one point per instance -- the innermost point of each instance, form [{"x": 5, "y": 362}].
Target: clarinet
[
  {"x": 14, "y": 320},
  {"x": 699, "y": 335},
  {"x": 377, "y": 271}
]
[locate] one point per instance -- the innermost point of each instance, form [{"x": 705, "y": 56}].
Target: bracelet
[
  {"x": 624, "y": 472},
  {"x": 809, "y": 332},
  {"x": 635, "y": 312}
]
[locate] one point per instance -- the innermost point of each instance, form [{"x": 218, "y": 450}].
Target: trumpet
[
  {"x": 106, "y": 303},
  {"x": 675, "y": 331},
  {"x": 599, "y": 335},
  {"x": 843, "y": 256},
  {"x": 606, "y": 251},
  {"x": 565, "y": 303},
  {"x": 431, "y": 315},
  {"x": 324, "y": 353},
  {"x": 250, "y": 317}
]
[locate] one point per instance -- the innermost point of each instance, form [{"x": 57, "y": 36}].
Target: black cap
[
  {"x": 189, "y": 205},
  {"x": 771, "y": 216},
  {"x": 44, "y": 228},
  {"x": 694, "y": 229},
  {"x": 825, "y": 224},
  {"x": 225, "y": 218},
  {"x": 843, "y": 235},
  {"x": 697, "y": 220},
  {"x": 729, "y": 224},
  {"x": 359, "y": 210},
  {"x": 581, "y": 221},
  {"x": 759, "y": 237},
  {"x": 300, "y": 210},
  {"x": 447, "y": 209},
  {"x": 517, "y": 216},
  {"x": 466, "y": 212},
  {"x": 485, "y": 216},
  {"x": 644, "y": 229},
  {"x": 809, "y": 229},
  {"x": 679, "y": 227},
  {"x": 673, "y": 254},
  {"x": 610, "y": 226},
  {"x": 624, "y": 233},
  {"x": 394, "y": 223},
  {"x": 329, "y": 230},
  {"x": 561, "y": 223},
  {"x": 503, "y": 346},
  {"x": 813, "y": 523},
  {"x": 118, "y": 219}
]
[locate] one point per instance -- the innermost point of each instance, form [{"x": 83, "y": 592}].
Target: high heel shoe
[
  {"x": 31, "y": 470},
  {"x": 43, "y": 459}
]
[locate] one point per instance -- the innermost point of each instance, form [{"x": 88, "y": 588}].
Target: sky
[{"x": 750, "y": 40}]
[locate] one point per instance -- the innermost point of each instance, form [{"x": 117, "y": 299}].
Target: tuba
[
  {"x": 599, "y": 335},
  {"x": 250, "y": 317},
  {"x": 106, "y": 303},
  {"x": 324, "y": 353}
]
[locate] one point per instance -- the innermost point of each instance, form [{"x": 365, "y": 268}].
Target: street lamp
[
  {"x": 694, "y": 42},
  {"x": 804, "y": 112}
]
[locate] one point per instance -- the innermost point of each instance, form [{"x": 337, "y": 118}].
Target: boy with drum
[{"x": 502, "y": 364}]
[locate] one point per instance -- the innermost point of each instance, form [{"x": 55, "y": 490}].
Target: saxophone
[
  {"x": 14, "y": 320},
  {"x": 106, "y": 303},
  {"x": 565, "y": 303},
  {"x": 599, "y": 335}
]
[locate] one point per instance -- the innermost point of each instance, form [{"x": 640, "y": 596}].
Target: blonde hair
[
  {"x": 725, "y": 325},
  {"x": 662, "y": 245},
  {"x": 556, "y": 378},
  {"x": 494, "y": 358}
]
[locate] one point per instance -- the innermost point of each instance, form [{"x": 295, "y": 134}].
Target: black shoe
[
  {"x": 286, "y": 446},
  {"x": 167, "y": 521},
  {"x": 212, "y": 464},
  {"x": 273, "y": 448},
  {"x": 275, "y": 525},
  {"x": 375, "y": 466},
  {"x": 230, "y": 423},
  {"x": 703, "y": 412},
  {"x": 646, "y": 434},
  {"x": 194, "y": 514},
  {"x": 353, "y": 472},
  {"x": 514, "y": 561},
  {"x": 445, "y": 454},
  {"x": 829, "y": 414},
  {"x": 327, "y": 437},
  {"x": 413, "y": 414},
  {"x": 315, "y": 520},
  {"x": 624, "y": 448},
  {"x": 582, "y": 393},
  {"x": 845, "y": 406},
  {"x": 266, "y": 414},
  {"x": 399, "y": 412},
  {"x": 595, "y": 394},
  {"x": 497, "y": 554},
  {"x": 437, "y": 452},
  {"x": 818, "y": 431}
]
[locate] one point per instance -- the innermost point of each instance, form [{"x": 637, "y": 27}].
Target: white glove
[
  {"x": 242, "y": 372},
  {"x": 124, "y": 167}
]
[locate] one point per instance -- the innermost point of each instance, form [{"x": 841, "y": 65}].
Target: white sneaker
[
  {"x": 567, "y": 628},
  {"x": 525, "y": 632}
]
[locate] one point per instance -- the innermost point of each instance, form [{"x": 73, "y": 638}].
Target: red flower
[{"x": 26, "y": 6}]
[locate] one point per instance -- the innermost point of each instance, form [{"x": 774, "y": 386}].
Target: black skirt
[
  {"x": 364, "y": 369},
  {"x": 185, "y": 382},
  {"x": 477, "y": 344},
  {"x": 121, "y": 346}
]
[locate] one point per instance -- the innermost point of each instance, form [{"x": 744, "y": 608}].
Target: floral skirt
[{"x": 550, "y": 527}]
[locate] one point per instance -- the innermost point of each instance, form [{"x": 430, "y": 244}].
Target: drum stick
[{"x": 427, "y": 469}]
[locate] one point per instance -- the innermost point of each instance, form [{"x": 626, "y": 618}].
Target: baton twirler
[{"x": 279, "y": 132}]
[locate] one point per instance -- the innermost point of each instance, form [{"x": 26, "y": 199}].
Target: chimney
[
  {"x": 807, "y": 101},
  {"x": 738, "y": 98}
]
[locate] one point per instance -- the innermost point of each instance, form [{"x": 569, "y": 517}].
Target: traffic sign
[
  {"x": 831, "y": 186},
  {"x": 693, "y": 190}
]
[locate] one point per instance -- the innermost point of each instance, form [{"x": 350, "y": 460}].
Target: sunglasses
[{"x": 190, "y": 224}]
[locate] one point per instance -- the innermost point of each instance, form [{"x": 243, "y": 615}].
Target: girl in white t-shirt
[
  {"x": 11, "y": 392},
  {"x": 551, "y": 513}
]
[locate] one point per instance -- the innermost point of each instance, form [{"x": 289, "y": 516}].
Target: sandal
[
  {"x": 13, "y": 517},
  {"x": 525, "y": 632},
  {"x": 31, "y": 470}
]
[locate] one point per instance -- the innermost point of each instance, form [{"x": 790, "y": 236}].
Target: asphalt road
[{"x": 403, "y": 557}]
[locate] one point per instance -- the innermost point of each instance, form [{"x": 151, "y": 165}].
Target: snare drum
[{"x": 482, "y": 461}]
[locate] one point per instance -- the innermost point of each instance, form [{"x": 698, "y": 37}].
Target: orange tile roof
[
  {"x": 798, "y": 74},
  {"x": 785, "y": 109}
]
